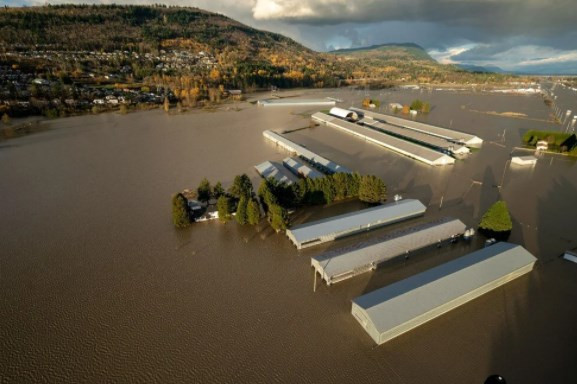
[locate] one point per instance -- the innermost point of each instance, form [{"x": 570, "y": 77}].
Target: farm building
[
  {"x": 299, "y": 168},
  {"x": 524, "y": 160},
  {"x": 400, "y": 307},
  {"x": 434, "y": 142},
  {"x": 322, "y": 231},
  {"x": 294, "y": 102},
  {"x": 403, "y": 147},
  {"x": 341, "y": 264},
  {"x": 277, "y": 172},
  {"x": 344, "y": 114},
  {"x": 319, "y": 161},
  {"x": 445, "y": 133}
]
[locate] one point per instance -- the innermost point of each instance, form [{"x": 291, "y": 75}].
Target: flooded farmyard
[{"x": 98, "y": 286}]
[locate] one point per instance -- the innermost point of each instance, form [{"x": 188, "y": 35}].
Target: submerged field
[{"x": 97, "y": 286}]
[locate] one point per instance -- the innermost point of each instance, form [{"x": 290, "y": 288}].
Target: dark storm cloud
[
  {"x": 507, "y": 33},
  {"x": 508, "y": 17}
]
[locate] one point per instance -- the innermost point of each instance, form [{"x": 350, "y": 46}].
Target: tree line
[{"x": 276, "y": 199}]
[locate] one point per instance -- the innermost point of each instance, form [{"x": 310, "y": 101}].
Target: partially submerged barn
[
  {"x": 397, "y": 308},
  {"x": 341, "y": 264},
  {"x": 322, "y": 231}
]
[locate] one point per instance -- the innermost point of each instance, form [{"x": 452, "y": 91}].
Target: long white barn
[
  {"x": 319, "y": 161},
  {"x": 322, "y": 231},
  {"x": 445, "y": 133},
  {"x": 403, "y": 147},
  {"x": 400, "y": 307},
  {"x": 341, "y": 264}
]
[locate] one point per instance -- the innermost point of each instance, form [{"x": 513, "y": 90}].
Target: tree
[
  {"x": 217, "y": 190},
  {"x": 278, "y": 217},
  {"x": 6, "y": 119},
  {"x": 179, "y": 211},
  {"x": 224, "y": 207},
  {"x": 166, "y": 105},
  {"x": 241, "y": 211},
  {"x": 497, "y": 218},
  {"x": 417, "y": 105},
  {"x": 123, "y": 109},
  {"x": 372, "y": 189},
  {"x": 204, "y": 190},
  {"x": 426, "y": 108},
  {"x": 253, "y": 212},
  {"x": 241, "y": 186}
]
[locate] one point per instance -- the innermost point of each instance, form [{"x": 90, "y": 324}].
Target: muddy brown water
[{"x": 97, "y": 286}]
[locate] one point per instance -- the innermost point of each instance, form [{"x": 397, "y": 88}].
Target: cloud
[
  {"x": 508, "y": 33},
  {"x": 512, "y": 56},
  {"x": 539, "y": 17}
]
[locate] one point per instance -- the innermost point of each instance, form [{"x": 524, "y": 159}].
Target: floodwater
[{"x": 97, "y": 286}]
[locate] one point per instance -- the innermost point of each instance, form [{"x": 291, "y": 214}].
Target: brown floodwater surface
[{"x": 97, "y": 286}]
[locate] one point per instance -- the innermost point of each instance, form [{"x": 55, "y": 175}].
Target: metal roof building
[
  {"x": 524, "y": 160},
  {"x": 418, "y": 137},
  {"x": 294, "y": 102},
  {"x": 445, "y": 133},
  {"x": 319, "y": 161},
  {"x": 281, "y": 175},
  {"x": 344, "y": 113},
  {"x": 395, "y": 309},
  {"x": 341, "y": 264},
  {"x": 300, "y": 169},
  {"x": 414, "y": 151},
  {"x": 322, "y": 231}
]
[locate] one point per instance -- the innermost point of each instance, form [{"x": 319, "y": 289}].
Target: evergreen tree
[
  {"x": 217, "y": 190},
  {"x": 224, "y": 207},
  {"x": 497, "y": 218},
  {"x": 253, "y": 212},
  {"x": 278, "y": 217},
  {"x": 241, "y": 186},
  {"x": 241, "y": 211},
  {"x": 340, "y": 181},
  {"x": 204, "y": 190},
  {"x": 372, "y": 189},
  {"x": 180, "y": 212}
]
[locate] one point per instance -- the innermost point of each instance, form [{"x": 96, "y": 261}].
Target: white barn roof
[
  {"x": 301, "y": 169},
  {"x": 268, "y": 169},
  {"x": 419, "y": 137},
  {"x": 395, "y": 309},
  {"x": 291, "y": 146},
  {"x": 450, "y": 134},
  {"x": 344, "y": 113},
  {"x": 295, "y": 102},
  {"x": 322, "y": 231},
  {"x": 403, "y": 147},
  {"x": 338, "y": 265}
]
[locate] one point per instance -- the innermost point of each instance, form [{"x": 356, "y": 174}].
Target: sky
[{"x": 532, "y": 36}]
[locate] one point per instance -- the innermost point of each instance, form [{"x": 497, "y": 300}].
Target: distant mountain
[
  {"x": 190, "y": 49},
  {"x": 243, "y": 55},
  {"x": 481, "y": 69},
  {"x": 387, "y": 52}
]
